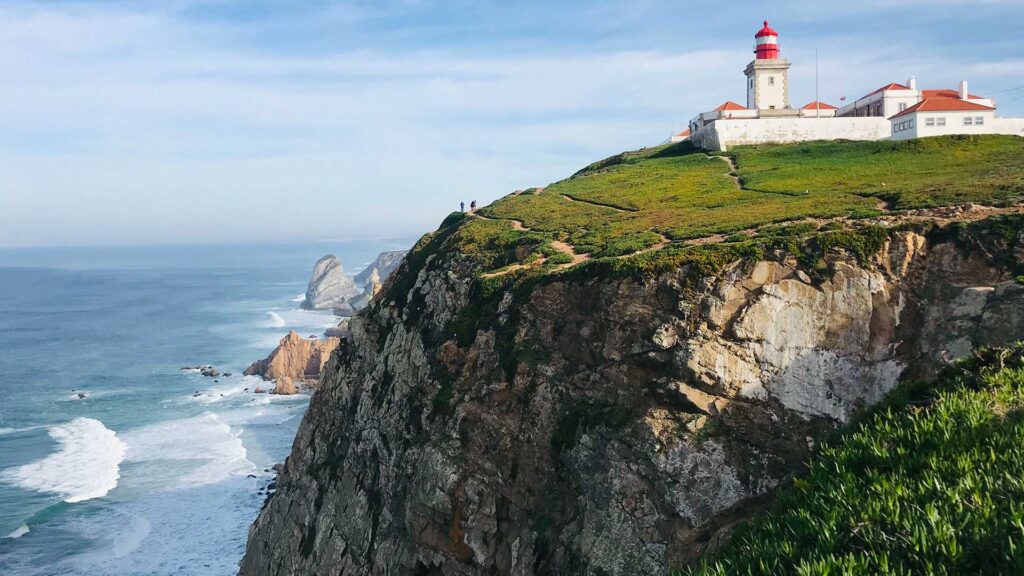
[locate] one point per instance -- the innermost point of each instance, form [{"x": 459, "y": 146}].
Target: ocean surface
[{"x": 157, "y": 470}]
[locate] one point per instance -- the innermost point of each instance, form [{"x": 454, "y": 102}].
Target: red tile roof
[
  {"x": 892, "y": 86},
  {"x": 729, "y": 105},
  {"x": 816, "y": 105},
  {"x": 945, "y": 93},
  {"x": 942, "y": 105},
  {"x": 684, "y": 134}
]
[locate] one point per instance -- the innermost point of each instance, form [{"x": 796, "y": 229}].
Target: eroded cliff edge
[{"x": 601, "y": 422}]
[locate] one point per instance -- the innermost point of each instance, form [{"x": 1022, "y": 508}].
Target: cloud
[{"x": 195, "y": 121}]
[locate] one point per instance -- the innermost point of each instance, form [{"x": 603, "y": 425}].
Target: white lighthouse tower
[{"x": 767, "y": 75}]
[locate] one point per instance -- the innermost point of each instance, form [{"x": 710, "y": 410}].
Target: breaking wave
[
  {"x": 86, "y": 465},
  {"x": 274, "y": 320}
]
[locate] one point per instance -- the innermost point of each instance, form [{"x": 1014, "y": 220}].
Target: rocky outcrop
[
  {"x": 295, "y": 358},
  {"x": 329, "y": 286},
  {"x": 382, "y": 266},
  {"x": 370, "y": 289},
  {"x": 605, "y": 425}
]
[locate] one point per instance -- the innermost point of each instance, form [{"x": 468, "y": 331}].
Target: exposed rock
[
  {"x": 382, "y": 267},
  {"x": 603, "y": 426},
  {"x": 371, "y": 279},
  {"x": 295, "y": 358},
  {"x": 259, "y": 390},
  {"x": 285, "y": 386},
  {"x": 339, "y": 331},
  {"x": 209, "y": 372},
  {"x": 329, "y": 286}
]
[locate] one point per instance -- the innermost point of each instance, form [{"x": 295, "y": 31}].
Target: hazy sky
[{"x": 188, "y": 121}]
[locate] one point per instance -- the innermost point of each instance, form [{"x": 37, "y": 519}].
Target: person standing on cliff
[
  {"x": 472, "y": 206},
  {"x": 462, "y": 206}
]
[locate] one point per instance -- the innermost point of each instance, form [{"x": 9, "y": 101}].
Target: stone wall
[{"x": 734, "y": 132}]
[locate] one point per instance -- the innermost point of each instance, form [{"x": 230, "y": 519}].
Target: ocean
[{"x": 156, "y": 471}]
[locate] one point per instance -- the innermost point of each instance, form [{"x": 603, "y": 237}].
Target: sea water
[{"x": 157, "y": 470}]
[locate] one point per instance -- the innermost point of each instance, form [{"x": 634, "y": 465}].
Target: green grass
[
  {"x": 620, "y": 205},
  {"x": 930, "y": 482},
  {"x": 912, "y": 174}
]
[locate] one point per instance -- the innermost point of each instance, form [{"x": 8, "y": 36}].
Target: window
[
  {"x": 771, "y": 80},
  {"x": 968, "y": 121},
  {"x": 910, "y": 124},
  {"x": 979, "y": 120},
  {"x": 903, "y": 106},
  {"x": 929, "y": 121},
  {"x": 940, "y": 121}
]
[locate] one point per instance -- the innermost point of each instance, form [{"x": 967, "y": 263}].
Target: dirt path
[
  {"x": 732, "y": 169},
  {"x": 598, "y": 204}
]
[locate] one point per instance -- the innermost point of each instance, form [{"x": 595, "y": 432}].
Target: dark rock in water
[
  {"x": 196, "y": 394},
  {"x": 260, "y": 391},
  {"x": 215, "y": 381},
  {"x": 227, "y": 374},
  {"x": 210, "y": 372},
  {"x": 250, "y": 476},
  {"x": 81, "y": 396}
]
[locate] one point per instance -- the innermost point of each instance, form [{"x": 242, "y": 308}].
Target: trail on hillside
[
  {"x": 563, "y": 247},
  {"x": 733, "y": 170},
  {"x": 598, "y": 204}
]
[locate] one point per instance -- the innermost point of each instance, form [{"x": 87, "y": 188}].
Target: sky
[{"x": 130, "y": 122}]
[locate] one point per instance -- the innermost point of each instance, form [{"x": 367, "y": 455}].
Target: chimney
[
  {"x": 964, "y": 95},
  {"x": 912, "y": 83}
]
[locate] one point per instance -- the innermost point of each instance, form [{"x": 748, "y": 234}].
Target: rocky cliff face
[
  {"x": 329, "y": 286},
  {"x": 607, "y": 425},
  {"x": 294, "y": 359}
]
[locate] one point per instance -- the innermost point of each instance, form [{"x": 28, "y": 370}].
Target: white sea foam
[
  {"x": 21, "y": 531},
  {"x": 274, "y": 320},
  {"x": 204, "y": 449},
  {"x": 85, "y": 466},
  {"x": 299, "y": 298}
]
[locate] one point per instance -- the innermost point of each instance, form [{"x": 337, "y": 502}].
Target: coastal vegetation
[{"x": 931, "y": 481}]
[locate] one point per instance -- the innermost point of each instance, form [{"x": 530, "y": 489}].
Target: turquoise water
[{"x": 157, "y": 470}]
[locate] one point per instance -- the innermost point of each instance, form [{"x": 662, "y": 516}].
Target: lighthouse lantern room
[{"x": 768, "y": 74}]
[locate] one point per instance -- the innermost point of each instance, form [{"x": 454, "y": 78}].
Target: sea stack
[{"x": 329, "y": 286}]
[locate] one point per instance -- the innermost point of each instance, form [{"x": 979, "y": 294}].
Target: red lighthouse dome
[{"x": 767, "y": 43}]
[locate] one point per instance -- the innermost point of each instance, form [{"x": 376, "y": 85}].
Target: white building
[{"x": 896, "y": 111}]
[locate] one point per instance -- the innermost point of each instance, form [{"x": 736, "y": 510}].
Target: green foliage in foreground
[{"x": 932, "y": 482}]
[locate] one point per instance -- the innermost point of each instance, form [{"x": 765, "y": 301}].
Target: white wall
[
  {"x": 954, "y": 124},
  {"x": 725, "y": 133},
  {"x": 1013, "y": 126}
]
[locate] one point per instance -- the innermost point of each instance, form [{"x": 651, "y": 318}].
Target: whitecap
[
  {"x": 274, "y": 320},
  {"x": 86, "y": 466},
  {"x": 299, "y": 298},
  {"x": 21, "y": 531},
  {"x": 204, "y": 449}
]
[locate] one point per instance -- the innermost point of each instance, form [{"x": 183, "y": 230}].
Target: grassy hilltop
[{"x": 666, "y": 197}]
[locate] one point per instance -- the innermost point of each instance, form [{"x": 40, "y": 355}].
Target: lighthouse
[{"x": 768, "y": 74}]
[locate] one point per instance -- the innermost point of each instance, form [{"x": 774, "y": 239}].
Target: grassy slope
[
  {"x": 932, "y": 482},
  {"x": 682, "y": 193}
]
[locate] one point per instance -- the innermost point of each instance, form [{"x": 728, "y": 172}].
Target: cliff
[
  {"x": 512, "y": 404},
  {"x": 295, "y": 358}
]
